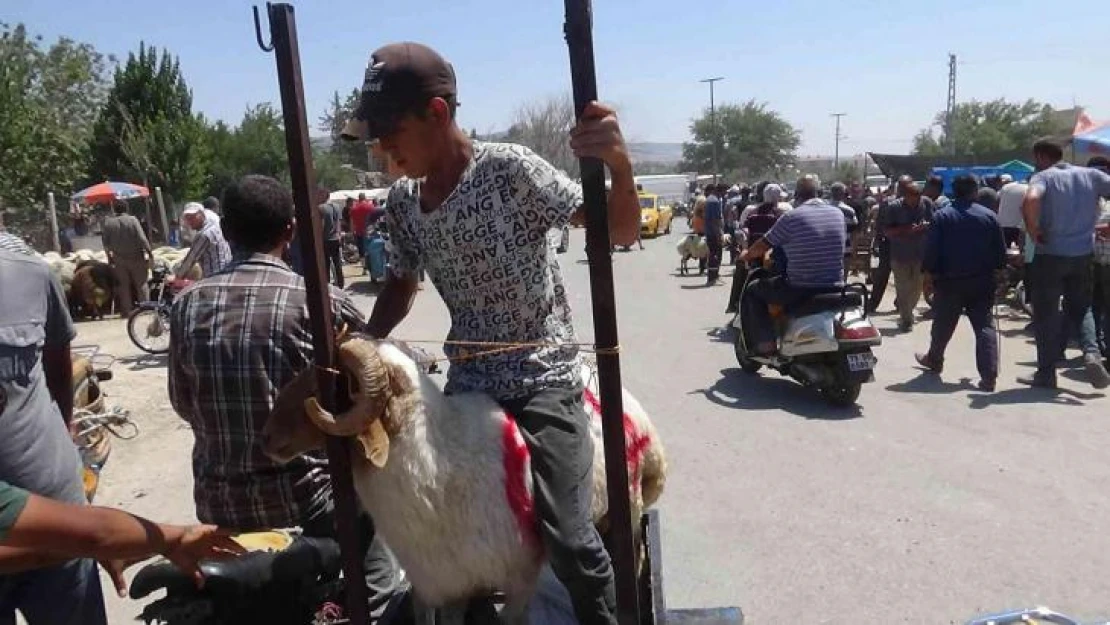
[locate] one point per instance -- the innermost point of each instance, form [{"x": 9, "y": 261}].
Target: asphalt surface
[{"x": 930, "y": 502}]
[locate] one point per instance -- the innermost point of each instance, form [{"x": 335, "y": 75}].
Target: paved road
[{"x": 929, "y": 503}]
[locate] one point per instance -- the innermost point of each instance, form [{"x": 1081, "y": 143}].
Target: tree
[
  {"x": 146, "y": 129},
  {"x": 543, "y": 125},
  {"x": 255, "y": 146},
  {"x": 752, "y": 141},
  {"x": 988, "y": 127},
  {"x": 48, "y": 101},
  {"x": 339, "y": 111}
]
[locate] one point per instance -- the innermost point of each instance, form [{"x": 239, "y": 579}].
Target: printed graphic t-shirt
[{"x": 486, "y": 250}]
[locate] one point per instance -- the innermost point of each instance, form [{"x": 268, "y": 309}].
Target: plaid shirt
[
  {"x": 236, "y": 339},
  {"x": 12, "y": 243}
]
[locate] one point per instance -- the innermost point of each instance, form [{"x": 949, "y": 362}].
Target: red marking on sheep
[
  {"x": 516, "y": 475},
  {"x": 636, "y": 442}
]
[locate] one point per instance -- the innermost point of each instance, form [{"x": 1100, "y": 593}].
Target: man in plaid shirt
[{"x": 237, "y": 338}]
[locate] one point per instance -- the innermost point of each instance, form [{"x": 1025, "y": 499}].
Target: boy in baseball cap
[{"x": 475, "y": 217}]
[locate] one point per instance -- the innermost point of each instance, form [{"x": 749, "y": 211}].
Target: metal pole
[
  {"x": 578, "y": 30},
  {"x": 162, "y": 214},
  {"x": 283, "y": 31},
  {"x": 836, "y": 153},
  {"x": 713, "y": 122},
  {"x": 55, "y": 242}
]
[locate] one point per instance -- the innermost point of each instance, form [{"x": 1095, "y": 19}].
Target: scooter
[{"x": 824, "y": 341}]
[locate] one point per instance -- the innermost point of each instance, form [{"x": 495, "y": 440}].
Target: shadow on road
[
  {"x": 365, "y": 287},
  {"x": 142, "y": 362},
  {"x": 1030, "y": 395},
  {"x": 722, "y": 334},
  {"x": 930, "y": 383},
  {"x": 737, "y": 389}
]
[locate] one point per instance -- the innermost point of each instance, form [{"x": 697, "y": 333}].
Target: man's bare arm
[
  {"x": 1031, "y": 212},
  {"x": 624, "y": 208},
  {"x": 392, "y": 305}
]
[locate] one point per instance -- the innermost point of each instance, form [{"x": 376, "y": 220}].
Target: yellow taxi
[{"x": 655, "y": 218}]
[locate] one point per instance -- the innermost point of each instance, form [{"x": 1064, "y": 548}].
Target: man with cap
[
  {"x": 475, "y": 216},
  {"x": 209, "y": 249}
]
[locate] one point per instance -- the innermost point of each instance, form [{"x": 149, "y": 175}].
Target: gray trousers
[
  {"x": 131, "y": 287},
  {"x": 556, "y": 429},
  {"x": 378, "y": 564},
  {"x": 68, "y": 594}
]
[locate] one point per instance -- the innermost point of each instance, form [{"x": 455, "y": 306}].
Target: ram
[{"x": 446, "y": 478}]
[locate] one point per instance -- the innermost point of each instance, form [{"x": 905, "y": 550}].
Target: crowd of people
[{"x": 954, "y": 247}]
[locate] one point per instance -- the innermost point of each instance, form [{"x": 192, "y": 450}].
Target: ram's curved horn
[{"x": 359, "y": 360}]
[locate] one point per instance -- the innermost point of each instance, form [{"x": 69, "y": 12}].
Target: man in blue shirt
[
  {"x": 1060, "y": 211},
  {"x": 812, "y": 238},
  {"x": 963, "y": 250},
  {"x": 714, "y": 231}
]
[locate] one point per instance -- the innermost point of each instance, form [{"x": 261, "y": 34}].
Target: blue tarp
[{"x": 1016, "y": 169}]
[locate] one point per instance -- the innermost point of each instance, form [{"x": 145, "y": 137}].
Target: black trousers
[
  {"x": 880, "y": 277},
  {"x": 739, "y": 277},
  {"x": 378, "y": 563},
  {"x": 1056, "y": 277},
  {"x": 333, "y": 258},
  {"x": 973, "y": 297},
  {"x": 716, "y": 249},
  {"x": 556, "y": 429}
]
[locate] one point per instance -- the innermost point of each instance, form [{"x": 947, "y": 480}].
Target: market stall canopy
[
  {"x": 1093, "y": 141},
  {"x": 108, "y": 191}
]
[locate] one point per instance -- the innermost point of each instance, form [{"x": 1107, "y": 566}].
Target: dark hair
[
  {"x": 1047, "y": 147},
  {"x": 257, "y": 210},
  {"x": 1099, "y": 162},
  {"x": 965, "y": 187},
  {"x": 935, "y": 182},
  {"x": 211, "y": 203},
  {"x": 120, "y": 207}
]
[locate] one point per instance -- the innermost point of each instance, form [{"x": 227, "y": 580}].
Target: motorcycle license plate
[{"x": 861, "y": 362}]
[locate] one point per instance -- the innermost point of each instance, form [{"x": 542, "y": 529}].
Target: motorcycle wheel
[
  {"x": 842, "y": 395},
  {"x": 149, "y": 329},
  {"x": 747, "y": 365}
]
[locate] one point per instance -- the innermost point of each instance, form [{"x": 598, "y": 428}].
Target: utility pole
[
  {"x": 836, "y": 152},
  {"x": 950, "y": 111},
  {"x": 713, "y": 122}
]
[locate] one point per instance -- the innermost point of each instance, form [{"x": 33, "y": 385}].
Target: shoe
[
  {"x": 730, "y": 311},
  {"x": 905, "y": 327},
  {"x": 987, "y": 386},
  {"x": 928, "y": 363},
  {"x": 1096, "y": 373},
  {"x": 1036, "y": 382}
]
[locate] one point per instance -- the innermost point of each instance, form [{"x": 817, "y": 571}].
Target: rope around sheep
[{"x": 500, "y": 347}]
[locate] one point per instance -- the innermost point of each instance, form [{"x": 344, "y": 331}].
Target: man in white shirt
[{"x": 1010, "y": 197}]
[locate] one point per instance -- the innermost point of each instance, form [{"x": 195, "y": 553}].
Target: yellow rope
[{"x": 500, "y": 347}]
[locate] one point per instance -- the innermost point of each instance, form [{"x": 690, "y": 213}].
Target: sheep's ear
[{"x": 375, "y": 443}]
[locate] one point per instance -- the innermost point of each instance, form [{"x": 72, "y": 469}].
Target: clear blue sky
[{"x": 882, "y": 62}]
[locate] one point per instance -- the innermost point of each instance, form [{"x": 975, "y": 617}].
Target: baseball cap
[
  {"x": 1004, "y": 178},
  {"x": 400, "y": 78},
  {"x": 192, "y": 208}
]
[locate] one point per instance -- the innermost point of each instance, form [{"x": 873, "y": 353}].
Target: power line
[
  {"x": 713, "y": 122},
  {"x": 836, "y": 153},
  {"x": 950, "y": 112}
]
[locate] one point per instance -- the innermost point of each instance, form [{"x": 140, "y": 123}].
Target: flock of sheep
[{"x": 89, "y": 283}]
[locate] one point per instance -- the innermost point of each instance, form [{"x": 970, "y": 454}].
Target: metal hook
[{"x": 266, "y": 47}]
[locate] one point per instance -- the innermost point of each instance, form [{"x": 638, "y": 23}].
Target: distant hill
[{"x": 653, "y": 152}]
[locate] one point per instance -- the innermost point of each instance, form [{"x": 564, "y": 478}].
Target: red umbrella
[{"x": 108, "y": 191}]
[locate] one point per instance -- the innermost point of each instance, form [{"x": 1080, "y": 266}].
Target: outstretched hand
[
  {"x": 598, "y": 135},
  {"x": 201, "y": 542}
]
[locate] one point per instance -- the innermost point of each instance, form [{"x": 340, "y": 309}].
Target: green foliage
[
  {"x": 988, "y": 127},
  {"x": 49, "y": 96},
  {"x": 146, "y": 131},
  {"x": 752, "y": 141},
  {"x": 340, "y": 110}
]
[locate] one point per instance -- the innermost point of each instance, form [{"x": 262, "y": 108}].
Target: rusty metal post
[
  {"x": 578, "y": 30},
  {"x": 283, "y": 31}
]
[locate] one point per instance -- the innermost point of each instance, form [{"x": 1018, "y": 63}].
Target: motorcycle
[
  {"x": 148, "y": 325},
  {"x": 93, "y": 420},
  {"x": 824, "y": 341},
  {"x": 284, "y": 579},
  {"x": 1032, "y": 616}
]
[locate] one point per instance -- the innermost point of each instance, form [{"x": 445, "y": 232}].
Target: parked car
[{"x": 655, "y": 218}]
